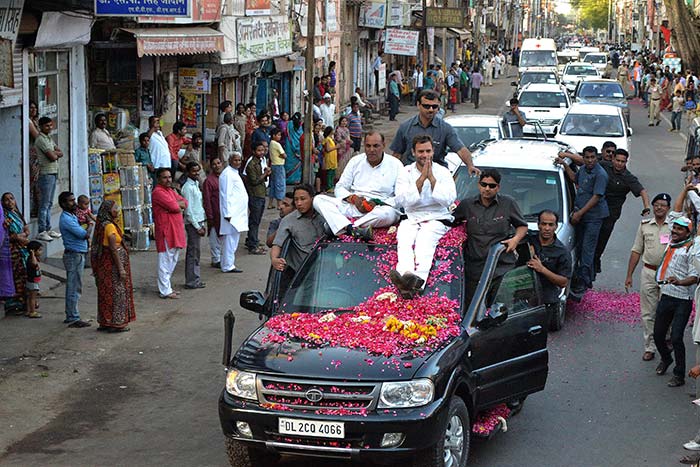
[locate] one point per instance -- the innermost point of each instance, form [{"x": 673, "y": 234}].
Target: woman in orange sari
[{"x": 110, "y": 265}]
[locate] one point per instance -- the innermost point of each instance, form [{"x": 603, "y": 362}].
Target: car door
[{"x": 510, "y": 360}]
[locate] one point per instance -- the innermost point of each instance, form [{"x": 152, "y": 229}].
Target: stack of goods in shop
[{"x": 114, "y": 175}]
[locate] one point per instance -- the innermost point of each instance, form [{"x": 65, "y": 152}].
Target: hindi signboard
[
  {"x": 439, "y": 17},
  {"x": 10, "y": 17},
  {"x": 194, "y": 80},
  {"x": 401, "y": 42},
  {"x": 141, "y": 7},
  {"x": 261, "y": 37},
  {"x": 257, "y": 7},
  {"x": 373, "y": 15},
  {"x": 201, "y": 11}
]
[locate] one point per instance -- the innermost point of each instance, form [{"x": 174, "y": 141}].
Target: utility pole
[
  {"x": 477, "y": 29},
  {"x": 307, "y": 168}
]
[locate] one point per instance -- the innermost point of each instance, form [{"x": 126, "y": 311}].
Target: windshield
[
  {"x": 538, "y": 58},
  {"x": 613, "y": 90},
  {"x": 592, "y": 125},
  {"x": 542, "y": 99},
  {"x": 595, "y": 58},
  {"x": 533, "y": 190},
  {"x": 470, "y": 135},
  {"x": 542, "y": 78},
  {"x": 581, "y": 70},
  {"x": 343, "y": 275}
]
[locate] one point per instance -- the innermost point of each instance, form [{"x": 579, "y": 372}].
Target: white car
[
  {"x": 473, "y": 129},
  {"x": 575, "y": 72},
  {"x": 599, "y": 60},
  {"x": 544, "y": 103},
  {"x": 594, "y": 124}
]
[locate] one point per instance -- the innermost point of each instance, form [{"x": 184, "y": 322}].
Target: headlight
[
  {"x": 241, "y": 384},
  {"x": 403, "y": 394}
]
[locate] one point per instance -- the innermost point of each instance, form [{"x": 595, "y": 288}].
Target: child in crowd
[
  {"x": 318, "y": 154},
  {"x": 33, "y": 278},
  {"x": 330, "y": 157},
  {"x": 84, "y": 213},
  {"x": 278, "y": 175},
  {"x": 142, "y": 155}
]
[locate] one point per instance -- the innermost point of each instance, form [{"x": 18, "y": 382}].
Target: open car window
[{"x": 517, "y": 290}]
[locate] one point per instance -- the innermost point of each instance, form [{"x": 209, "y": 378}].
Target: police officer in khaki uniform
[{"x": 652, "y": 237}]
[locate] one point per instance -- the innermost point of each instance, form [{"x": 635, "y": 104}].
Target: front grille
[
  {"x": 346, "y": 443},
  {"x": 335, "y": 395}
]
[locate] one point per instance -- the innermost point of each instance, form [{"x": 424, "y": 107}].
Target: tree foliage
[{"x": 593, "y": 13}]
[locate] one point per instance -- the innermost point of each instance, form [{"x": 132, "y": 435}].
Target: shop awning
[
  {"x": 177, "y": 41},
  {"x": 62, "y": 30},
  {"x": 461, "y": 33}
]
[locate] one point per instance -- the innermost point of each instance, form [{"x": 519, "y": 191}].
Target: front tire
[
  {"x": 240, "y": 455},
  {"x": 453, "y": 448}
]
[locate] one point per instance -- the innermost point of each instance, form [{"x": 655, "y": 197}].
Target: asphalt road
[{"x": 149, "y": 397}]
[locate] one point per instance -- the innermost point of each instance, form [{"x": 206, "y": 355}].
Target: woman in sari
[
  {"x": 343, "y": 144},
  {"x": 19, "y": 239},
  {"x": 665, "y": 102},
  {"x": 292, "y": 164},
  {"x": 110, "y": 265},
  {"x": 7, "y": 284}
]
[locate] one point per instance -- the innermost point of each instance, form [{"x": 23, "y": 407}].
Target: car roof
[
  {"x": 542, "y": 87},
  {"x": 473, "y": 120},
  {"x": 593, "y": 79},
  {"x": 593, "y": 109},
  {"x": 508, "y": 153}
]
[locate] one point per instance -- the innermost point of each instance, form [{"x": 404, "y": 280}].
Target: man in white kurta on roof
[
  {"x": 233, "y": 205},
  {"x": 426, "y": 191},
  {"x": 365, "y": 191}
]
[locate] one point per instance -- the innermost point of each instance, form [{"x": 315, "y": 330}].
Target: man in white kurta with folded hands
[
  {"x": 426, "y": 191},
  {"x": 233, "y": 201},
  {"x": 365, "y": 191}
]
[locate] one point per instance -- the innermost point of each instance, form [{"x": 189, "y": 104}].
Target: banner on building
[
  {"x": 395, "y": 17},
  {"x": 331, "y": 16},
  {"x": 10, "y": 17},
  {"x": 263, "y": 37},
  {"x": 401, "y": 42},
  {"x": 258, "y": 8},
  {"x": 194, "y": 80},
  {"x": 304, "y": 21},
  {"x": 201, "y": 11},
  {"x": 382, "y": 76},
  {"x": 440, "y": 17},
  {"x": 373, "y": 15},
  {"x": 234, "y": 7},
  {"x": 141, "y": 7}
]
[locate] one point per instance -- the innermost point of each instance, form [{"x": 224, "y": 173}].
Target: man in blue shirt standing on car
[
  {"x": 75, "y": 247},
  {"x": 590, "y": 208}
]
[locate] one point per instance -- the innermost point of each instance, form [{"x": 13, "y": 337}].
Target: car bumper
[{"x": 422, "y": 427}]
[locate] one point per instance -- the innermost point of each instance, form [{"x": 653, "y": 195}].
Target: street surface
[{"x": 74, "y": 397}]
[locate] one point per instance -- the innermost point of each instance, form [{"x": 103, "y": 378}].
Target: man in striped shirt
[
  {"x": 677, "y": 277},
  {"x": 355, "y": 126}
]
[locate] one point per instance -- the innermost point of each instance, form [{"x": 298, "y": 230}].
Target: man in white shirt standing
[
  {"x": 195, "y": 225},
  {"x": 233, "y": 204},
  {"x": 365, "y": 191},
  {"x": 327, "y": 111},
  {"x": 158, "y": 146},
  {"x": 417, "y": 83},
  {"x": 426, "y": 191},
  {"x": 228, "y": 140}
]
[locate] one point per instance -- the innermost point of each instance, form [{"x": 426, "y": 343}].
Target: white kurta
[
  {"x": 361, "y": 179},
  {"x": 160, "y": 153},
  {"x": 233, "y": 202},
  {"x": 418, "y": 236}
]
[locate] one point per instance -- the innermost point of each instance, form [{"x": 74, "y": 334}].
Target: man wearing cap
[
  {"x": 327, "y": 110},
  {"x": 677, "y": 277},
  {"x": 653, "y": 235}
]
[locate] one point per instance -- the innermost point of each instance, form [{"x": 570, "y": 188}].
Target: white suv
[
  {"x": 575, "y": 72},
  {"x": 543, "y": 103}
]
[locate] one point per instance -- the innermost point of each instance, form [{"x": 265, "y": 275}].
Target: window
[
  {"x": 543, "y": 99},
  {"x": 470, "y": 135},
  {"x": 581, "y": 70},
  {"x": 517, "y": 290},
  {"x": 533, "y": 190},
  {"x": 592, "y": 125},
  {"x": 545, "y": 78},
  {"x": 599, "y": 90},
  {"x": 538, "y": 58}
]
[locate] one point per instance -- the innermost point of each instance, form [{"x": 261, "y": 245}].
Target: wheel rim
[{"x": 454, "y": 442}]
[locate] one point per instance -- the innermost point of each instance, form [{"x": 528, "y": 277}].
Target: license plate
[{"x": 293, "y": 426}]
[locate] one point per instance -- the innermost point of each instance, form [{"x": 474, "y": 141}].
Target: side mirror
[
  {"x": 229, "y": 321},
  {"x": 630, "y": 132},
  {"x": 556, "y": 130},
  {"x": 254, "y": 301},
  {"x": 495, "y": 315},
  {"x": 513, "y": 83}
]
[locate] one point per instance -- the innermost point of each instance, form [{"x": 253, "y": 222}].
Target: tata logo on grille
[{"x": 313, "y": 395}]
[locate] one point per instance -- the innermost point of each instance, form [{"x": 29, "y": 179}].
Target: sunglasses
[
  {"x": 489, "y": 185},
  {"x": 610, "y": 151},
  {"x": 430, "y": 106}
]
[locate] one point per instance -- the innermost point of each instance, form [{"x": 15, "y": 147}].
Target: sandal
[
  {"x": 33, "y": 314},
  {"x": 172, "y": 296},
  {"x": 257, "y": 251}
]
